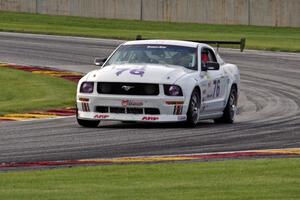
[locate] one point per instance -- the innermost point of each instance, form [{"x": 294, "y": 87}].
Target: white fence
[{"x": 247, "y": 12}]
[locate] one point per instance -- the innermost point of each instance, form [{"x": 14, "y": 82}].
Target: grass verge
[
  {"x": 263, "y": 38},
  {"x": 235, "y": 179},
  {"x": 23, "y": 92}
]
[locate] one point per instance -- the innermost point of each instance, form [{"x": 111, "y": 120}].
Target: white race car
[{"x": 159, "y": 81}]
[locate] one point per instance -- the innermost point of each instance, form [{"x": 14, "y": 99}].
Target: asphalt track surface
[{"x": 269, "y": 109}]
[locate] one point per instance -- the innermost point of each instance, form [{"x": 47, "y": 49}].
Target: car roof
[{"x": 166, "y": 42}]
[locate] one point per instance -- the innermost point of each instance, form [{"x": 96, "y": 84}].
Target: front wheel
[
  {"x": 230, "y": 109},
  {"x": 88, "y": 123},
  {"x": 193, "y": 110}
]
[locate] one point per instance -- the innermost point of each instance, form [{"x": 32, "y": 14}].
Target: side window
[
  {"x": 212, "y": 56},
  {"x": 207, "y": 55}
]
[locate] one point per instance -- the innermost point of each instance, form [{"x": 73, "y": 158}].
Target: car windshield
[{"x": 155, "y": 54}]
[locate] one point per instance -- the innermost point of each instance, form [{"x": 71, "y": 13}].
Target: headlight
[
  {"x": 172, "y": 90},
  {"x": 87, "y": 87}
]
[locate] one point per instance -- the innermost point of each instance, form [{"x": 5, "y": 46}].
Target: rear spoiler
[{"x": 242, "y": 42}]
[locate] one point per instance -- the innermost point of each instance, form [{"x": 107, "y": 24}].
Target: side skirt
[{"x": 210, "y": 115}]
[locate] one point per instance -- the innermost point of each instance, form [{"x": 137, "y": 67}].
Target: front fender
[
  {"x": 233, "y": 74},
  {"x": 187, "y": 83}
]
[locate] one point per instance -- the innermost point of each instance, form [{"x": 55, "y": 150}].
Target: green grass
[
  {"x": 245, "y": 180},
  {"x": 264, "y": 38},
  {"x": 23, "y": 91}
]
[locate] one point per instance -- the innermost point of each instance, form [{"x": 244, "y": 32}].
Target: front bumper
[
  {"x": 130, "y": 117},
  {"x": 168, "y": 112}
]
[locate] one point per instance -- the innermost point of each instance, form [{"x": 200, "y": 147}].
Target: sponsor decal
[
  {"x": 209, "y": 84},
  {"x": 126, "y": 103},
  {"x": 156, "y": 47},
  {"x": 181, "y": 118},
  {"x": 208, "y": 96},
  {"x": 148, "y": 118},
  {"x": 101, "y": 116},
  {"x": 174, "y": 102}
]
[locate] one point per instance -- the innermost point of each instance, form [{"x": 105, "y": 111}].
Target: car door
[{"x": 215, "y": 81}]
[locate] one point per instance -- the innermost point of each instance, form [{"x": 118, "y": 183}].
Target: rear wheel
[
  {"x": 193, "y": 110},
  {"x": 230, "y": 109}
]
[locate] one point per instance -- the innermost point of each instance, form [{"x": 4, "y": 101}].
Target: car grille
[
  {"x": 128, "y": 110},
  {"x": 128, "y": 88}
]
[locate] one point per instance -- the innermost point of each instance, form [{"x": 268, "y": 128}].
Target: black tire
[
  {"x": 230, "y": 109},
  {"x": 88, "y": 123},
  {"x": 193, "y": 110}
]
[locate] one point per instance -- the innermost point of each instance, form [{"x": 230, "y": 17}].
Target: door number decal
[{"x": 217, "y": 88}]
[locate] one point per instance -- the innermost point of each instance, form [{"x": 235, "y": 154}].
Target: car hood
[{"x": 138, "y": 73}]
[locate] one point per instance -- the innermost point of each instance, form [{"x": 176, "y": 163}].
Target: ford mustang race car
[{"x": 159, "y": 81}]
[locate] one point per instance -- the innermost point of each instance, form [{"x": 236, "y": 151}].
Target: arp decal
[
  {"x": 101, "y": 116},
  {"x": 137, "y": 72},
  {"x": 150, "y": 118},
  {"x": 126, "y": 103}
]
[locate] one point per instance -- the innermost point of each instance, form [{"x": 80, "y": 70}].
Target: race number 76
[{"x": 217, "y": 88}]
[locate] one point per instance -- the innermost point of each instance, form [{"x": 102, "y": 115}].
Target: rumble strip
[
  {"x": 53, "y": 113},
  {"x": 293, "y": 152}
]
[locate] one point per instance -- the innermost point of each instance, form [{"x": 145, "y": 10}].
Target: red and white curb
[
  {"x": 67, "y": 75},
  {"x": 295, "y": 152},
  {"x": 49, "y": 114},
  {"x": 53, "y": 113}
]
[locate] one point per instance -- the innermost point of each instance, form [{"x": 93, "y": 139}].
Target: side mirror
[
  {"x": 99, "y": 61},
  {"x": 210, "y": 66}
]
